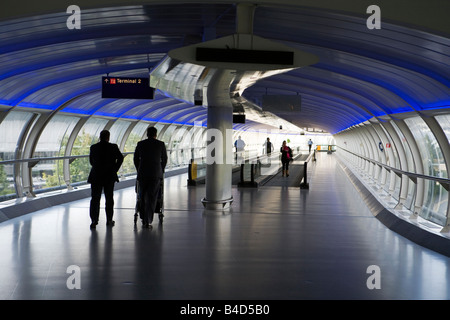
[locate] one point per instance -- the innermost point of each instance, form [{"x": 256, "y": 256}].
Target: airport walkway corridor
[{"x": 274, "y": 243}]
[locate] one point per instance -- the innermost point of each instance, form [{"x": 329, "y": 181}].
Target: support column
[{"x": 219, "y": 157}]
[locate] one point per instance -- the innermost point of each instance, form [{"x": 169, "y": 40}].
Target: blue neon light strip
[{"x": 375, "y": 81}]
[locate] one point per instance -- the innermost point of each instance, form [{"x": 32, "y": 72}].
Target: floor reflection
[{"x": 274, "y": 243}]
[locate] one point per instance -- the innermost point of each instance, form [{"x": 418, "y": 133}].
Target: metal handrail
[
  {"x": 36, "y": 160},
  {"x": 72, "y": 157},
  {"x": 305, "y": 183},
  {"x": 251, "y": 160},
  {"x": 413, "y": 176},
  {"x": 41, "y": 159}
]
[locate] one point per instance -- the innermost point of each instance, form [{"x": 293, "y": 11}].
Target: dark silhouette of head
[
  {"x": 104, "y": 135},
  {"x": 152, "y": 132}
]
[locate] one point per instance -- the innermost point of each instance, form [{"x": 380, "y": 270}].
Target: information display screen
[
  {"x": 127, "y": 88},
  {"x": 281, "y": 103}
]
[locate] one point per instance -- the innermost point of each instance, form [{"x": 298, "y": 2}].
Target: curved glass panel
[
  {"x": 117, "y": 131},
  {"x": 396, "y": 180},
  {"x": 444, "y": 122},
  {"x": 198, "y": 142},
  {"x": 136, "y": 135},
  {"x": 436, "y": 197},
  {"x": 11, "y": 129},
  {"x": 409, "y": 158},
  {"x": 52, "y": 143},
  {"x": 182, "y": 145},
  {"x": 176, "y": 149},
  {"x": 88, "y": 135}
]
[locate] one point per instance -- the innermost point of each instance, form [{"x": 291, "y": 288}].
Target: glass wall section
[
  {"x": 394, "y": 162},
  {"x": 436, "y": 197},
  {"x": 166, "y": 136},
  {"x": 136, "y": 135},
  {"x": 11, "y": 129},
  {"x": 52, "y": 143},
  {"x": 176, "y": 146},
  {"x": 159, "y": 127},
  {"x": 182, "y": 144},
  {"x": 444, "y": 122},
  {"x": 88, "y": 135},
  {"x": 117, "y": 131},
  {"x": 198, "y": 145},
  {"x": 409, "y": 158}
]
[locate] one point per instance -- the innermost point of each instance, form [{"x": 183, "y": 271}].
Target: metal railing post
[{"x": 305, "y": 184}]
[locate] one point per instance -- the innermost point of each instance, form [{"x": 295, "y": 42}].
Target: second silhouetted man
[{"x": 150, "y": 159}]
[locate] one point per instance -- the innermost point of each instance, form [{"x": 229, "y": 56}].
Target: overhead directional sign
[{"x": 126, "y": 88}]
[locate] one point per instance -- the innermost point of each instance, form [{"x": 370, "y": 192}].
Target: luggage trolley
[
  {"x": 160, "y": 202},
  {"x": 159, "y": 209}
]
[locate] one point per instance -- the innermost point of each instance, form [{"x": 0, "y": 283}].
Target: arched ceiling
[{"x": 361, "y": 74}]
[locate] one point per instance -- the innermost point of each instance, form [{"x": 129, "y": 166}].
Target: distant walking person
[
  {"x": 105, "y": 159},
  {"x": 286, "y": 157},
  {"x": 239, "y": 144},
  {"x": 150, "y": 159},
  {"x": 268, "y": 147},
  {"x": 310, "y": 143}
]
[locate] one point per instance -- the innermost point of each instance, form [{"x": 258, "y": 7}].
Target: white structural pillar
[
  {"x": 218, "y": 76},
  {"x": 219, "y": 152}
]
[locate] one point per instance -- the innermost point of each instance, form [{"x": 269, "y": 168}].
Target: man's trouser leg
[
  {"x": 94, "y": 208},
  {"x": 109, "y": 200}
]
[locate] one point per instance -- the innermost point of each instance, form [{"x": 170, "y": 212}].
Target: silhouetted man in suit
[
  {"x": 150, "y": 159},
  {"x": 105, "y": 159}
]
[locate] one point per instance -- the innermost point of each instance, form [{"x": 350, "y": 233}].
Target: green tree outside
[
  {"x": 80, "y": 168},
  {"x": 4, "y": 183}
]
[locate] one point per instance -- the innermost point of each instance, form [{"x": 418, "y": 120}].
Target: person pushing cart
[{"x": 150, "y": 159}]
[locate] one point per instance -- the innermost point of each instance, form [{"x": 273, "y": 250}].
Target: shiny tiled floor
[{"x": 275, "y": 243}]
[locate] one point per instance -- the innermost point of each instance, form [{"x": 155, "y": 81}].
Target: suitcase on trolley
[{"x": 159, "y": 209}]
